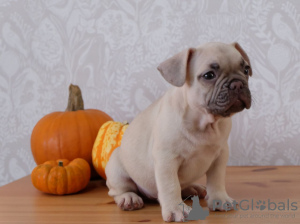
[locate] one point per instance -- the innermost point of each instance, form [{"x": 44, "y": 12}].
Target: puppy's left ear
[
  {"x": 243, "y": 53},
  {"x": 174, "y": 70}
]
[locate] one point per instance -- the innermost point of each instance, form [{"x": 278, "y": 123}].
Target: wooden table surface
[{"x": 20, "y": 202}]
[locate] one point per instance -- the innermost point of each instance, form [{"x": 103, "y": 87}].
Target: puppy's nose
[{"x": 236, "y": 85}]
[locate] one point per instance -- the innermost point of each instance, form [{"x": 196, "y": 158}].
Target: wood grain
[{"x": 20, "y": 202}]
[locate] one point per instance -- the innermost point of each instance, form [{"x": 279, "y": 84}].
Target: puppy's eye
[
  {"x": 209, "y": 75},
  {"x": 247, "y": 70}
]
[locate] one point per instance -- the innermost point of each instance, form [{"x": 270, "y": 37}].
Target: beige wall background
[{"x": 111, "y": 49}]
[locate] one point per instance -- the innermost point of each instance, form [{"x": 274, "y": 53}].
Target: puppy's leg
[
  {"x": 216, "y": 192},
  {"x": 121, "y": 187},
  {"x": 169, "y": 190},
  {"x": 194, "y": 189}
]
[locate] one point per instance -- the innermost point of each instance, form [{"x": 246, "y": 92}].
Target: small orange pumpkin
[
  {"x": 69, "y": 134},
  {"x": 61, "y": 177},
  {"x": 108, "y": 139}
]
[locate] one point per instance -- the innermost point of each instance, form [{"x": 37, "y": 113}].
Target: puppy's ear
[
  {"x": 174, "y": 70},
  {"x": 243, "y": 53}
]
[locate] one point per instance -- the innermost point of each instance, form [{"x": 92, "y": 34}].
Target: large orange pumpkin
[
  {"x": 69, "y": 134},
  {"x": 108, "y": 139},
  {"x": 61, "y": 176}
]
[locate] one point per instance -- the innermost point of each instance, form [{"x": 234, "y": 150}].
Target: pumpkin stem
[
  {"x": 75, "y": 101},
  {"x": 60, "y": 163}
]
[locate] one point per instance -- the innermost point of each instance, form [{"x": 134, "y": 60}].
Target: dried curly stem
[{"x": 75, "y": 101}]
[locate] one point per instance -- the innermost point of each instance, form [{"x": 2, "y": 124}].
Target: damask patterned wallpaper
[{"x": 111, "y": 48}]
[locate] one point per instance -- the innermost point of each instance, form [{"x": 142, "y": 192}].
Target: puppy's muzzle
[
  {"x": 233, "y": 97},
  {"x": 242, "y": 94}
]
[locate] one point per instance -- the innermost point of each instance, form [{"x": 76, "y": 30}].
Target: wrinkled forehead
[{"x": 220, "y": 55}]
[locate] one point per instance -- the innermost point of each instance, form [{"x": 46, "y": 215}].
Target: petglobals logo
[
  {"x": 248, "y": 205},
  {"x": 199, "y": 213}
]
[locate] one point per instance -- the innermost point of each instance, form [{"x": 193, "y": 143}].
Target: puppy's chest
[
  {"x": 197, "y": 156},
  {"x": 207, "y": 143}
]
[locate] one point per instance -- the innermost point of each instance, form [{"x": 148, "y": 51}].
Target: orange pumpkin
[
  {"x": 70, "y": 134},
  {"x": 61, "y": 176},
  {"x": 108, "y": 139}
]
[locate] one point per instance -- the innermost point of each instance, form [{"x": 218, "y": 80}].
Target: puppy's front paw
[
  {"x": 220, "y": 201},
  {"x": 129, "y": 201},
  {"x": 177, "y": 213}
]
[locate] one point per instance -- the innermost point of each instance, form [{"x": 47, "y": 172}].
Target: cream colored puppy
[{"x": 183, "y": 135}]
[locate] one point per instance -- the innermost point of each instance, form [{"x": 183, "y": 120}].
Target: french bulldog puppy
[{"x": 183, "y": 135}]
